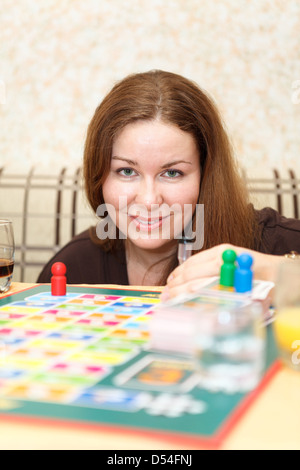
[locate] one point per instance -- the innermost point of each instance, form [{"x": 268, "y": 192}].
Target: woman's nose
[{"x": 149, "y": 193}]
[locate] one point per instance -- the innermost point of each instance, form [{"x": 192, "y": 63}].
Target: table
[{"x": 271, "y": 422}]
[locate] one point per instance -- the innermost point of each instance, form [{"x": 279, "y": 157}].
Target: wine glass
[{"x": 7, "y": 254}]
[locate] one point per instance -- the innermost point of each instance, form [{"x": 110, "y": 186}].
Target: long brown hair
[{"x": 173, "y": 99}]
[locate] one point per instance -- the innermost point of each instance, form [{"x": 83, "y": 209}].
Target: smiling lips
[{"x": 147, "y": 224}]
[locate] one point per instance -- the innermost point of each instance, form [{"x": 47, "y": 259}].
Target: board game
[{"x": 85, "y": 357}]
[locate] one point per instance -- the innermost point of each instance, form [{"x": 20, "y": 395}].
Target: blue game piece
[{"x": 243, "y": 275}]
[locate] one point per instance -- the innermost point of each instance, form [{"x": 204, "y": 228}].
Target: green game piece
[{"x": 228, "y": 268}]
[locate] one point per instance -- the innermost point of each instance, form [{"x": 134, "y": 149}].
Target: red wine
[{"x": 6, "y": 267}]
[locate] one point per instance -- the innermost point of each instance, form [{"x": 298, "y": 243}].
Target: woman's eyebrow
[
  {"x": 175, "y": 162},
  {"x": 131, "y": 162},
  {"x": 166, "y": 165}
]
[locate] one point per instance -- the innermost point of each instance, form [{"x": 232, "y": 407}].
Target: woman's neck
[{"x": 146, "y": 267}]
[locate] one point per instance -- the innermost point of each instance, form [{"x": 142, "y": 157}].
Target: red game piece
[{"x": 58, "y": 280}]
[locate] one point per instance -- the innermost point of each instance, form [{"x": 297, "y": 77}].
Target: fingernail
[
  {"x": 170, "y": 278},
  {"x": 165, "y": 295}
]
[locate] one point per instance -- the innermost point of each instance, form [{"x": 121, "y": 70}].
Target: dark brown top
[
  {"x": 88, "y": 263},
  {"x": 280, "y": 235}
]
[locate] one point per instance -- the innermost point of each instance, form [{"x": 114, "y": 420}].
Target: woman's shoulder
[
  {"x": 271, "y": 217},
  {"x": 279, "y": 234},
  {"x": 88, "y": 262}
]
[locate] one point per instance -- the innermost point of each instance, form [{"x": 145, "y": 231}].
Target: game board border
[{"x": 213, "y": 441}]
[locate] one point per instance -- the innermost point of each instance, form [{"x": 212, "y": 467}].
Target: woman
[{"x": 155, "y": 144}]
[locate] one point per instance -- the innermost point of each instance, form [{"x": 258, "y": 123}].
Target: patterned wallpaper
[{"x": 58, "y": 58}]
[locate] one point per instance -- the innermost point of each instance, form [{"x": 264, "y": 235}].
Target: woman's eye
[
  {"x": 173, "y": 173},
  {"x": 126, "y": 171}
]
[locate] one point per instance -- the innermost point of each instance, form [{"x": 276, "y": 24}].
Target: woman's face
[{"x": 154, "y": 172}]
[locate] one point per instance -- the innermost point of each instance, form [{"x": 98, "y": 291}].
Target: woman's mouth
[{"x": 147, "y": 224}]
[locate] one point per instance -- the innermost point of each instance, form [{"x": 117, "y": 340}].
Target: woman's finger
[
  {"x": 189, "y": 287},
  {"x": 200, "y": 265}
]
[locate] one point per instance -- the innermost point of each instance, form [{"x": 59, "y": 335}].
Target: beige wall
[{"x": 58, "y": 58}]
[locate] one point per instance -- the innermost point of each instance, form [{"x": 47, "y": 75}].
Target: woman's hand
[{"x": 194, "y": 272}]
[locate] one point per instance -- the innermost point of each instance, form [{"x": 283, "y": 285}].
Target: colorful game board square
[
  {"x": 54, "y": 344},
  {"x": 142, "y": 301},
  {"x": 95, "y": 322},
  {"x": 74, "y": 307},
  {"x": 85, "y": 329},
  {"x": 49, "y": 319},
  {"x": 36, "y": 353},
  {"x": 153, "y": 301},
  {"x": 111, "y": 323},
  {"x": 72, "y": 380},
  {"x": 115, "y": 341},
  {"x": 36, "y": 325},
  {"x": 85, "y": 321},
  {"x": 96, "y": 316},
  {"x": 89, "y": 302},
  {"x": 144, "y": 318},
  {"x": 6, "y": 333},
  {"x": 59, "y": 319},
  {"x": 108, "y": 317},
  {"x": 36, "y": 318},
  {"x": 122, "y": 309},
  {"x": 10, "y": 342},
  {"x": 11, "y": 375},
  {"x": 99, "y": 297},
  {"x": 135, "y": 324},
  {"x": 103, "y": 358},
  {"x": 120, "y": 349},
  {"x": 10, "y": 316},
  {"x": 132, "y": 325},
  {"x": 24, "y": 363},
  {"x": 32, "y": 333},
  {"x": 36, "y": 304},
  {"x": 73, "y": 368},
  {"x": 141, "y": 321},
  {"x": 74, "y": 314},
  {"x": 120, "y": 316},
  {"x": 5, "y": 401},
  {"x": 18, "y": 309},
  {"x": 44, "y": 392},
  {"x": 64, "y": 313},
  {"x": 114, "y": 399},
  {"x": 52, "y": 311},
  {"x": 132, "y": 306},
  {"x": 48, "y": 297},
  {"x": 71, "y": 336},
  {"x": 130, "y": 333},
  {"x": 151, "y": 296}
]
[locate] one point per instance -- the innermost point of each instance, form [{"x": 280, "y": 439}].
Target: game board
[{"x": 85, "y": 357}]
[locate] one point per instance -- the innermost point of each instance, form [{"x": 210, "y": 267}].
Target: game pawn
[
  {"x": 58, "y": 279},
  {"x": 228, "y": 268},
  {"x": 243, "y": 275}
]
